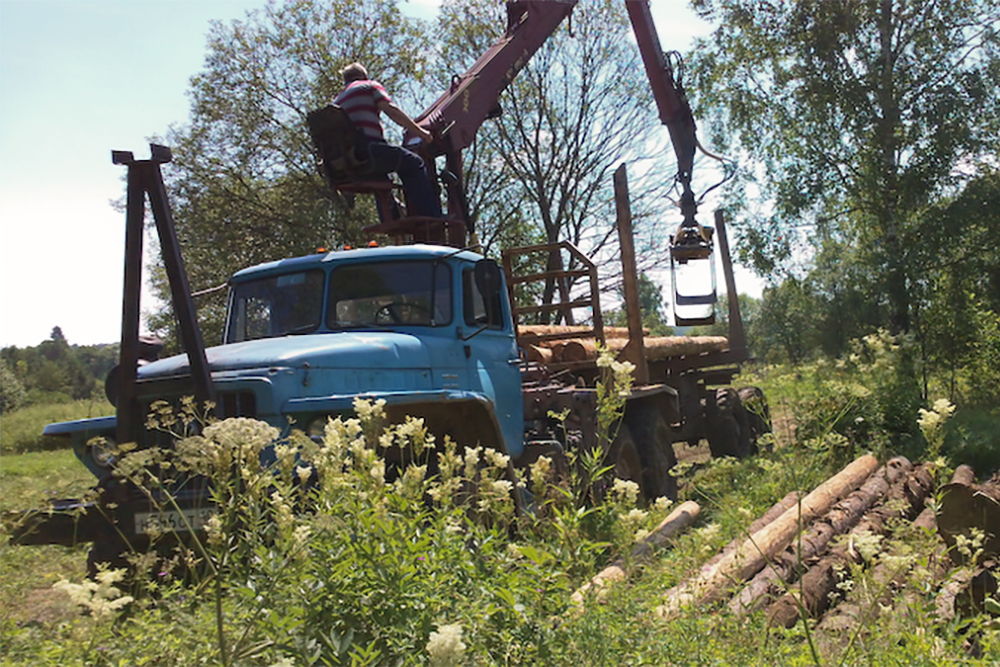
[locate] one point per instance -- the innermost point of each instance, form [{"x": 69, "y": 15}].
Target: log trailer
[{"x": 429, "y": 325}]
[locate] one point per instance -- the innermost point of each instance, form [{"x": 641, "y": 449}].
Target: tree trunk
[
  {"x": 678, "y": 520},
  {"x": 789, "y": 564},
  {"x": 813, "y": 594},
  {"x": 711, "y": 582}
]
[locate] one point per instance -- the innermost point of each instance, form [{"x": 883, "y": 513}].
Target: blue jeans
[{"x": 420, "y": 195}]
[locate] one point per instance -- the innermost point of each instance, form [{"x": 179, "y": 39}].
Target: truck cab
[{"x": 426, "y": 328}]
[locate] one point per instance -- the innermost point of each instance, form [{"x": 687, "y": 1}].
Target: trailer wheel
[
  {"x": 656, "y": 453},
  {"x": 727, "y": 427},
  {"x": 625, "y": 457},
  {"x": 758, "y": 414}
]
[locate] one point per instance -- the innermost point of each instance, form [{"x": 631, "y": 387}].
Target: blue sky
[{"x": 79, "y": 78}]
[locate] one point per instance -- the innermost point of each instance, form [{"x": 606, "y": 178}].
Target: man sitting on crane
[{"x": 362, "y": 99}]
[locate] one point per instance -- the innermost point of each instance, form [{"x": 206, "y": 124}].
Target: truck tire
[
  {"x": 758, "y": 414},
  {"x": 656, "y": 454},
  {"x": 110, "y": 554},
  {"x": 727, "y": 428},
  {"x": 625, "y": 457}
]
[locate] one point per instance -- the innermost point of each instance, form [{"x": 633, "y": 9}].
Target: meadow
[{"x": 435, "y": 569}]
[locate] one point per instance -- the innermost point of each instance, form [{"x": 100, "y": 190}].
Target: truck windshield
[
  {"x": 389, "y": 294},
  {"x": 276, "y": 306}
]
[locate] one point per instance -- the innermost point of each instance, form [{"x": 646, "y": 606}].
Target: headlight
[{"x": 103, "y": 451}]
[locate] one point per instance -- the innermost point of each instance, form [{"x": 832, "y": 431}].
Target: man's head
[{"x": 354, "y": 72}]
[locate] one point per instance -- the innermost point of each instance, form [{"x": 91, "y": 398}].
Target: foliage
[
  {"x": 651, "y": 305},
  {"x": 11, "y": 389},
  {"x": 56, "y": 370},
  {"x": 243, "y": 183},
  {"x": 423, "y": 565},
  {"x": 542, "y": 171},
  {"x": 854, "y": 117}
]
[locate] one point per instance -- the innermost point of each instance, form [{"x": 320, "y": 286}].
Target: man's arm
[{"x": 399, "y": 117}]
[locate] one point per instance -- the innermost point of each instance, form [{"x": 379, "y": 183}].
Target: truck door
[{"x": 492, "y": 357}]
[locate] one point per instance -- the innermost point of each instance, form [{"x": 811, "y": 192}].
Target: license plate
[{"x": 172, "y": 521}]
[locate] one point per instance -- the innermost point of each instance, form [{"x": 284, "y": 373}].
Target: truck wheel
[
  {"x": 110, "y": 554},
  {"x": 758, "y": 414},
  {"x": 727, "y": 428},
  {"x": 625, "y": 457},
  {"x": 656, "y": 453}
]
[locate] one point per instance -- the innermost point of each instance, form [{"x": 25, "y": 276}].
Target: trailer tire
[
  {"x": 625, "y": 456},
  {"x": 757, "y": 411},
  {"x": 656, "y": 453},
  {"x": 727, "y": 427}
]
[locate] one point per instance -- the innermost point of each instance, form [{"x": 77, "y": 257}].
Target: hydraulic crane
[{"x": 472, "y": 98}]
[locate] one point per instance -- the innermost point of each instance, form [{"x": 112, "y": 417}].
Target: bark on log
[
  {"x": 711, "y": 582},
  {"x": 657, "y": 349},
  {"x": 530, "y": 332},
  {"x": 538, "y": 354},
  {"x": 789, "y": 564},
  {"x": 838, "y": 622},
  {"x": 905, "y": 497},
  {"x": 678, "y": 520},
  {"x": 889, "y": 578},
  {"x": 966, "y": 506},
  {"x": 791, "y": 499}
]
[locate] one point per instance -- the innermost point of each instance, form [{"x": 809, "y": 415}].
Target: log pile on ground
[
  {"x": 545, "y": 351},
  {"x": 799, "y": 557}
]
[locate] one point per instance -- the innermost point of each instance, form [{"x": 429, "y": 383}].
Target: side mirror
[{"x": 489, "y": 278}]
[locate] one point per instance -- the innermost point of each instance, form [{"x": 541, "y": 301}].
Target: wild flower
[
  {"x": 662, "y": 504},
  {"x": 625, "y": 491},
  {"x": 495, "y": 498},
  {"x": 411, "y": 484},
  {"x": 931, "y": 423},
  {"x": 496, "y": 459},
  {"x": 101, "y": 597},
  {"x": 214, "y": 531},
  {"x": 472, "y": 461},
  {"x": 366, "y": 409},
  {"x": 445, "y": 646},
  {"x": 303, "y": 473},
  {"x": 377, "y": 471},
  {"x": 283, "y": 517}
]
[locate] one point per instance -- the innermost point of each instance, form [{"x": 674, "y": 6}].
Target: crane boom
[{"x": 675, "y": 112}]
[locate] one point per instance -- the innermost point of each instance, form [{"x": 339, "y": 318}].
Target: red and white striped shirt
[{"x": 360, "y": 100}]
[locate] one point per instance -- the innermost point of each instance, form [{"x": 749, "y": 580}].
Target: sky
[{"x": 79, "y": 78}]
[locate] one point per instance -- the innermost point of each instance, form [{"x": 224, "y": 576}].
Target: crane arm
[
  {"x": 456, "y": 116},
  {"x": 671, "y": 101}
]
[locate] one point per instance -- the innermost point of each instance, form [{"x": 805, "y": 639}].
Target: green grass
[
  {"x": 21, "y": 430},
  {"x": 29, "y": 480},
  {"x": 385, "y": 570},
  {"x": 30, "y": 606}
]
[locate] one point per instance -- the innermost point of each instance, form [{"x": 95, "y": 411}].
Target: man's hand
[{"x": 400, "y": 118}]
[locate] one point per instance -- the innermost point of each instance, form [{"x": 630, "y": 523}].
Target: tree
[
  {"x": 650, "y": 305},
  {"x": 542, "y": 171},
  {"x": 854, "y": 117},
  {"x": 243, "y": 184},
  {"x": 11, "y": 389}
]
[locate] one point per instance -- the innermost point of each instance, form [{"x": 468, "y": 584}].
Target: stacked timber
[
  {"x": 658, "y": 348},
  {"x": 714, "y": 580}
]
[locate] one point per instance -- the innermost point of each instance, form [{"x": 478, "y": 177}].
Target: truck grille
[{"x": 238, "y": 404}]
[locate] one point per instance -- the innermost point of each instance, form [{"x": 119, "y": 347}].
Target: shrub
[{"x": 11, "y": 390}]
